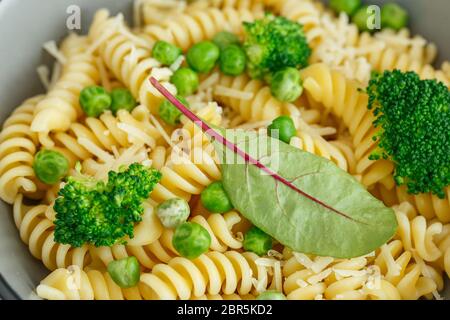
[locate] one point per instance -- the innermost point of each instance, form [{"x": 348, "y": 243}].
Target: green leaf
[
  {"x": 307, "y": 203},
  {"x": 359, "y": 223}
]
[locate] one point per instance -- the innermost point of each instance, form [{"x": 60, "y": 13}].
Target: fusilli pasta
[{"x": 18, "y": 145}]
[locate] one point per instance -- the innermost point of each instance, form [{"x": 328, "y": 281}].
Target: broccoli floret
[
  {"x": 274, "y": 43},
  {"x": 414, "y": 118},
  {"x": 99, "y": 213}
]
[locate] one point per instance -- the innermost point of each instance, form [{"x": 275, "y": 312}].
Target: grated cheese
[
  {"x": 209, "y": 82},
  {"x": 265, "y": 262},
  {"x": 52, "y": 49},
  {"x": 425, "y": 272},
  {"x": 254, "y": 125},
  {"x": 321, "y": 263},
  {"x": 177, "y": 63},
  {"x": 349, "y": 273},
  {"x": 135, "y": 135},
  {"x": 259, "y": 285},
  {"x": 303, "y": 260},
  {"x": 132, "y": 37},
  {"x": 94, "y": 149},
  {"x": 56, "y": 74},
  {"x": 320, "y": 276},
  {"x": 161, "y": 130},
  {"x": 275, "y": 254},
  {"x": 44, "y": 75},
  {"x": 232, "y": 93},
  {"x": 302, "y": 283},
  {"x": 277, "y": 276}
]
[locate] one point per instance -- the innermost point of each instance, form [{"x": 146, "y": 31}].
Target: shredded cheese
[
  {"x": 135, "y": 135},
  {"x": 232, "y": 93},
  {"x": 320, "y": 276},
  {"x": 254, "y": 125},
  {"x": 52, "y": 49},
  {"x": 94, "y": 149},
  {"x": 425, "y": 272},
  {"x": 303, "y": 259},
  {"x": 209, "y": 82},
  {"x": 44, "y": 75},
  {"x": 177, "y": 63},
  {"x": 344, "y": 273},
  {"x": 56, "y": 74},
  {"x": 302, "y": 283},
  {"x": 137, "y": 40},
  {"x": 320, "y": 263},
  {"x": 275, "y": 254}
]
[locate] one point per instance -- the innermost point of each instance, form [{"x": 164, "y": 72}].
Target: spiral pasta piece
[
  {"x": 60, "y": 108},
  {"x": 37, "y": 231},
  {"x": 427, "y": 204},
  {"x": 18, "y": 145},
  {"x": 186, "y": 29},
  {"x": 306, "y": 13},
  {"x": 321, "y": 147},
  {"x": 413, "y": 279},
  {"x": 211, "y": 273},
  {"x": 156, "y": 246},
  {"x": 342, "y": 98},
  {"x": 219, "y": 227},
  {"x": 256, "y": 102},
  {"x": 101, "y": 137},
  {"x": 128, "y": 57},
  {"x": 390, "y": 50},
  {"x": 192, "y": 166},
  {"x": 416, "y": 234},
  {"x": 76, "y": 284}
]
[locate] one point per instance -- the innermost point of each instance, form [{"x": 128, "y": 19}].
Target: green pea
[
  {"x": 165, "y": 52},
  {"x": 122, "y": 99},
  {"x": 94, "y": 101},
  {"x": 186, "y": 81},
  {"x": 202, "y": 57},
  {"x": 169, "y": 113},
  {"x": 257, "y": 241},
  {"x": 50, "y": 166},
  {"x": 286, "y": 85},
  {"x": 224, "y": 38},
  {"x": 271, "y": 295},
  {"x": 393, "y": 16},
  {"x": 191, "y": 240},
  {"x": 215, "y": 199},
  {"x": 232, "y": 60},
  {"x": 173, "y": 212},
  {"x": 282, "y": 127},
  {"x": 125, "y": 272},
  {"x": 347, "y": 6},
  {"x": 361, "y": 17}
]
